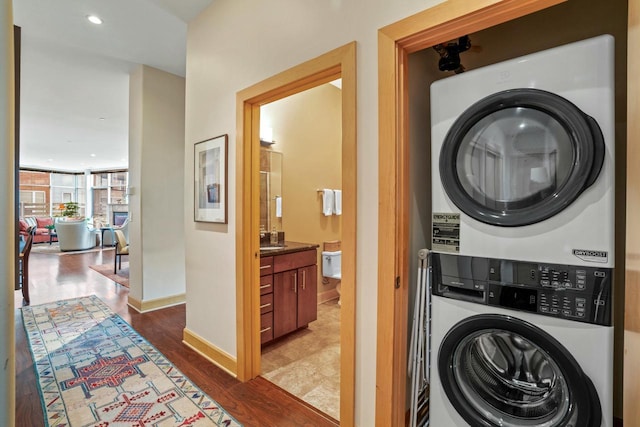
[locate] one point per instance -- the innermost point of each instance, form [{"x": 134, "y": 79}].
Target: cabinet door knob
[
  {"x": 295, "y": 282},
  {"x": 304, "y": 279}
]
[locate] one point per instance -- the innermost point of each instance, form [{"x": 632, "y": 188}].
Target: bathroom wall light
[
  {"x": 266, "y": 136},
  {"x": 94, "y": 19}
]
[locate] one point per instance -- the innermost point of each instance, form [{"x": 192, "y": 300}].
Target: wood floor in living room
[{"x": 254, "y": 403}]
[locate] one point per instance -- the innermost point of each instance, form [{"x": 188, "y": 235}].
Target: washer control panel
[{"x": 572, "y": 292}]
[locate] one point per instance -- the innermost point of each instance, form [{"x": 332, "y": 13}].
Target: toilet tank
[{"x": 331, "y": 264}]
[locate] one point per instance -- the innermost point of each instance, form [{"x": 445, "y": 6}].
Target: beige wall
[
  {"x": 307, "y": 130},
  {"x": 156, "y": 173},
  {"x": 7, "y": 225}
]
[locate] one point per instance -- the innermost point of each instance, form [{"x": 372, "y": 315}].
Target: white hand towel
[
  {"x": 327, "y": 202},
  {"x": 278, "y": 207},
  {"x": 337, "y": 201}
]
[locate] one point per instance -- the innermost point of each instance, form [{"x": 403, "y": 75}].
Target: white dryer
[
  {"x": 510, "y": 352},
  {"x": 523, "y": 157}
]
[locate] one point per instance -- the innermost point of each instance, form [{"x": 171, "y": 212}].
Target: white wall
[
  {"x": 135, "y": 171},
  {"x": 7, "y": 226},
  {"x": 231, "y": 46},
  {"x": 156, "y": 173}
]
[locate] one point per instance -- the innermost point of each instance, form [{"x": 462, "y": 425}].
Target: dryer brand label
[
  {"x": 591, "y": 256},
  {"x": 446, "y": 232}
]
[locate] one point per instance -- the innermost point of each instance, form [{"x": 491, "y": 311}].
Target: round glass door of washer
[{"x": 500, "y": 371}]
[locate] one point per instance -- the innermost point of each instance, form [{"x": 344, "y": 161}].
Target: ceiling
[{"x": 75, "y": 75}]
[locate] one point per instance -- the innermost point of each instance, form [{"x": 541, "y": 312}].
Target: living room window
[
  {"x": 42, "y": 192},
  {"x": 67, "y": 188}
]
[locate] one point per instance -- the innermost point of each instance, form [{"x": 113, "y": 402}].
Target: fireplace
[{"x": 119, "y": 218}]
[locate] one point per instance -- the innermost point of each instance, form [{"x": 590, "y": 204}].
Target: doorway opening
[
  {"x": 300, "y": 176},
  {"x": 411, "y": 49},
  {"x": 339, "y": 63}
]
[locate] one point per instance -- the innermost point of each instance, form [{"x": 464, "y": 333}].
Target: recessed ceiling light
[
  {"x": 92, "y": 155},
  {"x": 94, "y": 19},
  {"x": 101, "y": 118},
  {"x": 49, "y": 160}
]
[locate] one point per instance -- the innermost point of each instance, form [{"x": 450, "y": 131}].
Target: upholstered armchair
[
  {"x": 75, "y": 235},
  {"x": 122, "y": 248}
]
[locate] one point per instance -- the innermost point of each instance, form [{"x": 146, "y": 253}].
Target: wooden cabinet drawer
[
  {"x": 294, "y": 260},
  {"x": 266, "y": 265},
  {"x": 266, "y": 303},
  {"x": 266, "y": 284},
  {"x": 266, "y": 327}
]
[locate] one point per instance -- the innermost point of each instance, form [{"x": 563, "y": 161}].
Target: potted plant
[{"x": 69, "y": 209}]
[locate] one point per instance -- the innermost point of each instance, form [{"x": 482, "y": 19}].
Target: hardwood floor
[{"x": 52, "y": 277}]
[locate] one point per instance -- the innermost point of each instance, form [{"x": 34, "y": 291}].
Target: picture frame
[{"x": 210, "y": 179}]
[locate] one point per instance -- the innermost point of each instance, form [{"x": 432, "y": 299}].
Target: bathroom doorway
[
  {"x": 339, "y": 63},
  {"x": 300, "y": 178}
]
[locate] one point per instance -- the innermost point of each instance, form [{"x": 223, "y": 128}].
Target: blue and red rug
[{"x": 95, "y": 370}]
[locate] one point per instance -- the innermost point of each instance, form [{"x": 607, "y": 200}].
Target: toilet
[{"x": 331, "y": 266}]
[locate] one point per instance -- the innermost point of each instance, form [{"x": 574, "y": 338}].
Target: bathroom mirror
[{"x": 270, "y": 190}]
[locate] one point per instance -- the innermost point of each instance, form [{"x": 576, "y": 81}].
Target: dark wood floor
[{"x": 254, "y": 403}]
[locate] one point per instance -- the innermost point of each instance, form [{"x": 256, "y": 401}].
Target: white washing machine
[
  {"x": 523, "y": 157},
  {"x": 509, "y": 352}
]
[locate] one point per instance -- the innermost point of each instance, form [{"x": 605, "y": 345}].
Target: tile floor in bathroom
[{"x": 307, "y": 362}]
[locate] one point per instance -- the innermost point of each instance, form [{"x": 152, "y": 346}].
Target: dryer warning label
[{"x": 446, "y": 232}]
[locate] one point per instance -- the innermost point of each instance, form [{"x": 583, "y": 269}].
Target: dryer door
[
  {"x": 519, "y": 157},
  {"x": 501, "y": 371}
]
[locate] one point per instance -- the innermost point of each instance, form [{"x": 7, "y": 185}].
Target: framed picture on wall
[{"x": 210, "y": 176}]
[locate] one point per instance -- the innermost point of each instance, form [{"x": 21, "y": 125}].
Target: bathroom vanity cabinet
[
  {"x": 266, "y": 299},
  {"x": 288, "y": 291}
]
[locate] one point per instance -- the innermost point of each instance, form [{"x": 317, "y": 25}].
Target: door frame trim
[
  {"x": 446, "y": 21},
  {"x": 338, "y": 63}
]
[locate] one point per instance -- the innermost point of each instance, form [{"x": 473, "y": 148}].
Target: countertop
[{"x": 288, "y": 248}]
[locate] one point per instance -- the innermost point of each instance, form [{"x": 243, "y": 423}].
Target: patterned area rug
[
  {"x": 122, "y": 277},
  {"x": 95, "y": 370}
]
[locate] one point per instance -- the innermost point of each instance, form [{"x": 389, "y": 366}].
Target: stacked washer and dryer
[{"x": 523, "y": 241}]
